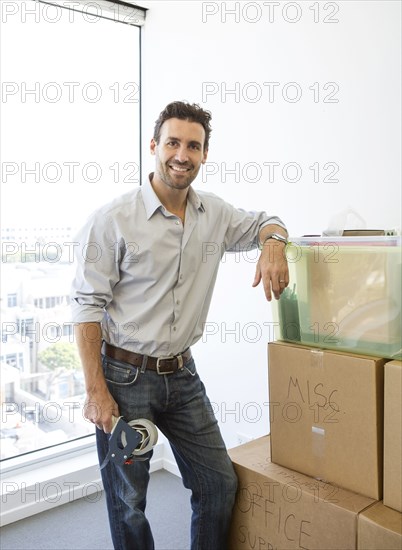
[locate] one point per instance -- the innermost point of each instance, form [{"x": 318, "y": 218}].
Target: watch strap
[{"x": 275, "y": 236}]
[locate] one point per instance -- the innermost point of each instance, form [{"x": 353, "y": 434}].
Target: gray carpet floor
[{"x": 82, "y": 524}]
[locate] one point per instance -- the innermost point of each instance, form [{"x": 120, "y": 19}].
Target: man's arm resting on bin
[
  {"x": 100, "y": 405},
  {"x": 272, "y": 266}
]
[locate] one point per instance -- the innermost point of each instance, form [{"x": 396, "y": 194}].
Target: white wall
[{"x": 359, "y": 133}]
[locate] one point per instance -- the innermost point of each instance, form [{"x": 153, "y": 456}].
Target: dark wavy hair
[{"x": 185, "y": 111}]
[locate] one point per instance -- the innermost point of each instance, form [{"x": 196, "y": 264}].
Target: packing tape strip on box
[{"x": 317, "y": 358}]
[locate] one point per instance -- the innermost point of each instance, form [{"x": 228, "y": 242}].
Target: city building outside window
[{"x": 71, "y": 118}]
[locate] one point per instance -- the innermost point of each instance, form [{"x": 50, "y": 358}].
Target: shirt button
[
  {"x": 178, "y": 302},
  {"x": 174, "y": 328},
  {"x": 181, "y": 277}
]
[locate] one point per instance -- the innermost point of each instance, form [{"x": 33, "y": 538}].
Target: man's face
[{"x": 180, "y": 152}]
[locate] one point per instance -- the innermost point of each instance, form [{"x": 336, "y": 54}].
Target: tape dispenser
[{"x": 130, "y": 440}]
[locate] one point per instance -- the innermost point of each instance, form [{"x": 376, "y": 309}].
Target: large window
[{"x": 70, "y": 110}]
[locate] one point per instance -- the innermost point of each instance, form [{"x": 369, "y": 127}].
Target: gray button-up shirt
[{"x": 147, "y": 277}]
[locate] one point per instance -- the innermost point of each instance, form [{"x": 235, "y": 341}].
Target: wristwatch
[{"x": 275, "y": 236}]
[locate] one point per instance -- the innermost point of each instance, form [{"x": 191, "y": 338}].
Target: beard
[{"x": 176, "y": 175}]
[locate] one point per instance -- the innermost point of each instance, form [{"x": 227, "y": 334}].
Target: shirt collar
[{"x": 152, "y": 202}]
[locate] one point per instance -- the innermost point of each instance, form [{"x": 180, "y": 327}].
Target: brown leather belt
[{"x": 162, "y": 365}]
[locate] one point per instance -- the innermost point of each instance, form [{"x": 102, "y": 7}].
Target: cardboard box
[
  {"x": 326, "y": 414},
  {"x": 393, "y": 435},
  {"x": 279, "y": 509},
  {"x": 379, "y": 528},
  {"x": 345, "y": 294}
]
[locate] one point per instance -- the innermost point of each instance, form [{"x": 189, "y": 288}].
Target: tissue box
[{"x": 344, "y": 294}]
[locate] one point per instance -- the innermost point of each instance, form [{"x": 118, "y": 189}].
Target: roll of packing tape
[{"x": 146, "y": 430}]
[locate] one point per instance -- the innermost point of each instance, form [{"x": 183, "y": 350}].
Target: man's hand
[
  {"x": 99, "y": 408},
  {"x": 272, "y": 268}
]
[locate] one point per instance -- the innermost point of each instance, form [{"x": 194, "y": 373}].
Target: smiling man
[
  {"x": 142, "y": 304},
  {"x": 178, "y": 159}
]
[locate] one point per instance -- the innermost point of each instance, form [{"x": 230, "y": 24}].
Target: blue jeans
[{"x": 178, "y": 405}]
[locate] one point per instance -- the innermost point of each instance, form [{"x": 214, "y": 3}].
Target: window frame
[{"x": 122, "y": 11}]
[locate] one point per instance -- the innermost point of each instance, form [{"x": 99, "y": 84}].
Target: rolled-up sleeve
[
  {"x": 244, "y": 228},
  {"x": 97, "y": 270}
]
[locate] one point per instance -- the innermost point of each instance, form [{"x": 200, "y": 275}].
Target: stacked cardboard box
[
  {"x": 332, "y": 431},
  {"x": 280, "y": 509},
  {"x": 327, "y": 422},
  {"x": 326, "y": 413},
  {"x": 393, "y": 435},
  {"x": 379, "y": 528},
  {"x": 316, "y": 482}
]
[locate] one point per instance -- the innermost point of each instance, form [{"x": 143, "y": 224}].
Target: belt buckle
[{"x": 169, "y": 357}]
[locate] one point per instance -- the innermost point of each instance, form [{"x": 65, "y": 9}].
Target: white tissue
[{"x": 347, "y": 219}]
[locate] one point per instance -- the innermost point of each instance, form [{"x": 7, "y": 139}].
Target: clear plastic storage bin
[{"x": 344, "y": 294}]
